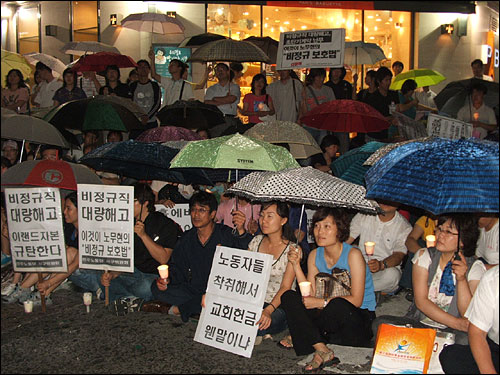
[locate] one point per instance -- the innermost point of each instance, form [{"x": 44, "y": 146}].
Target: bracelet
[{"x": 272, "y": 306}]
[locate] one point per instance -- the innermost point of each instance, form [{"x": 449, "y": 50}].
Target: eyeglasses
[
  {"x": 446, "y": 232},
  {"x": 200, "y": 210}
]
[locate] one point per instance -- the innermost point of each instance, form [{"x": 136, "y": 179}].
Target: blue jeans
[
  {"x": 136, "y": 284},
  {"x": 278, "y": 323},
  {"x": 185, "y": 298},
  {"x": 88, "y": 280}
]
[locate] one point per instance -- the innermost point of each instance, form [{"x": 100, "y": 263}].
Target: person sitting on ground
[
  {"x": 113, "y": 84},
  {"x": 342, "y": 320},
  {"x": 481, "y": 355},
  {"x": 204, "y": 133},
  {"x": 250, "y": 210},
  {"x": 15, "y": 95},
  {"x": 389, "y": 231},
  {"x": 258, "y": 103},
  {"x": 69, "y": 90},
  {"x": 408, "y": 106},
  {"x": 330, "y": 146},
  {"x": 192, "y": 258},
  {"x": 441, "y": 291},
  {"x": 276, "y": 239}
]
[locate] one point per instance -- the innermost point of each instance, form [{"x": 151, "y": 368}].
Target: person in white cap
[{"x": 10, "y": 150}]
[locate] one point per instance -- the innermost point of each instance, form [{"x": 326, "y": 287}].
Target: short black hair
[
  {"x": 477, "y": 62},
  {"x": 329, "y": 140},
  {"x": 41, "y": 66},
  {"x": 59, "y": 150},
  {"x": 340, "y": 216},
  {"x": 478, "y": 86},
  {"x": 226, "y": 68},
  {"x": 408, "y": 85},
  {"x": 204, "y": 198},
  {"x": 112, "y": 67},
  {"x": 371, "y": 73},
  {"x": 236, "y": 66},
  {"x": 75, "y": 77},
  {"x": 342, "y": 69},
  {"x": 382, "y": 72},
  {"x": 143, "y": 193},
  {"x": 140, "y": 61},
  {"x": 120, "y": 134},
  {"x": 468, "y": 229},
  {"x": 398, "y": 63}
]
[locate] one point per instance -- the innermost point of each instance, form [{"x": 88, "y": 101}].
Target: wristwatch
[{"x": 384, "y": 262}]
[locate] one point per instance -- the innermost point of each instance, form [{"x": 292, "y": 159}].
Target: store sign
[
  {"x": 489, "y": 53},
  {"x": 165, "y": 53},
  {"x": 322, "y": 48}
]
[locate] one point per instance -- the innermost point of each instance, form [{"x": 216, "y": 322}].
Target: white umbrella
[
  {"x": 357, "y": 53},
  {"x": 153, "y": 22},
  {"x": 86, "y": 48},
  {"x": 52, "y": 62}
]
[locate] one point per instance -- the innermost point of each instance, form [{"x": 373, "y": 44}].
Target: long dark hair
[
  {"x": 283, "y": 211},
  {"x": 75, "y": 77},
  {"x": 21, "y": 78},
  {"x": 255, "y": 79}
]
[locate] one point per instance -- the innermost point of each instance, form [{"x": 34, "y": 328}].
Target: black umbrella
[
  {"x": 266, "y": 44},
  {"x": 200, "y": 39},
  {"x": 191, "y": 114}
]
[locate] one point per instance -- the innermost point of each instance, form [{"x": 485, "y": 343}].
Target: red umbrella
[
  {"x": 345, "y": 115},
  {"x": 98, "y": 62},
  {"x": 168, "y": 133}
]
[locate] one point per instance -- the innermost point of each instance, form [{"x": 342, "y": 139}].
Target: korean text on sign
[
  {"x": 106, "y": 227},
  {"x": 179, "y": 213},
  {"x": 36, "y": 234}
]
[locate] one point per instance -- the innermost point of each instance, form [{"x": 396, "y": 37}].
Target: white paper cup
[
  {"x": 369, "y": 247},
  {"x": 163, "y": 271},
  {"x": 305, "y": 288},
  {"x": 430, "y": 240},
  {"x": 87, "y": 298},
  {"x": 28, "y": 306}
]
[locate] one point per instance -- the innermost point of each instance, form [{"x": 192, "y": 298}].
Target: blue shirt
[
  {"x": 369, "y": 301},
  {"x": 412, "y": 112}
]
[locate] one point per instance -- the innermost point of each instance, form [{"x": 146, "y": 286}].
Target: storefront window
[
  {"x": 85, "y": 21},
  {"x": 28, "y": 36}
]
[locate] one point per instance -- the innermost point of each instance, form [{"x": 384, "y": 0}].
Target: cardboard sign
[
  {"x": 445, "y": 127},
  {"x": 36, "y": 233},
  {"x": 180, "y": 214},
  {"x": 106, "y": 227},
  {"x": 322, "y": 48},
  {"x": 235, "y": 297}
]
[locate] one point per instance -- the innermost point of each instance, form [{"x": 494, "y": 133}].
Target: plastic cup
[
  {"x": 430, "y": 240},
  {"x": 305, "y": 288},
  {"x": 28, "y": 306},
  {"x": 163, "y": 271},
  {"x": 369, "y": 248},
  {"x": 87, "y": 298}
]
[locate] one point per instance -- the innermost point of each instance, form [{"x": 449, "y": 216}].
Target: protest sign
[
  {"x": 321, "y": 48},
  {"x": 179, "y": 213},
  {"x": 36, "y": 233},
  {"x": 165, "y": 53},
  {"x": 310, "y": 214},
  {"x": 106, "y": 227},
  {"x": 445, "y": 127},
  {"x": 235, "y": 297},
  {"x": 409, "y": 128}
]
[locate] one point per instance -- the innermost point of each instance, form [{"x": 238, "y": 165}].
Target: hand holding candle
[
  {"x": 305, "y": 288},
  {"x": 369, "y": 248},
  {"x": 430, "y": 240},
  {"x": 163, "y": 271}
]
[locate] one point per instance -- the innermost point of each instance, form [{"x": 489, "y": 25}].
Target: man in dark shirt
[
  {"x": 192, "y": 258},
  {"x": 154, "y": 239},
  {"x": 113, "y": 85}
]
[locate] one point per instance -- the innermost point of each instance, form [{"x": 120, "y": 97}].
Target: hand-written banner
[
  {"x": 34, "y": 217},
  {"x": 235, "y": 296},
  {"x": 322, "y": 48},
  {"x": 106, "y": 227},
  {"x": 179, "y": 213},
  {"x": 445, "y": 127}
]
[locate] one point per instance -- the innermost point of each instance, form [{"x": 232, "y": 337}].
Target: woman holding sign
[{"x": 277, "y": 240}]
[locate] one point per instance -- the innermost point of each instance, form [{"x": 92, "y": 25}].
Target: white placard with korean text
[
  {"x": 179, "y": 213},
  {"x": 410, "y": 128},
  {"x": 106, "y": 227},
  {"x": 321, "y": 48},
  {"x": 445, "y": 127},
  {"x": 235, "y": 297},
  {"x": 36, "y": 234},
  {"x": 310, "y": 214}
]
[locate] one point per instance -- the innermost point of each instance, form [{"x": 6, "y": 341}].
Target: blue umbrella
[{"x": 439, "y": 175}]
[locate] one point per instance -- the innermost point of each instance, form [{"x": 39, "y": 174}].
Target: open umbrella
[
  {"x": 168, "y": 133},
  {"x": 306, "y": 186},
  {"x": 301, "y": 142},
  {"x": 345, "y": 115},
  {"x": 229, "y": 50},
  {"x": 439, "y": 176},
  {"x": 52, "y": 62},
  {"x": 384, "y": 150},
  {"x": 200, "y": 39},
  {"x": 153, "y": 23},
  {"x": 96, "y": 113},
  {"x": 423, "y": 77},
  {"x": 87, "y": 48},
  {"x": 98, "y": 62},
  {"x": 142, "y": 161},
  {"x": 191, "y": 114},
  {"x": 358, "y": 52},
  {"x": 266, "y": 44},
  {"x": 11, "y": 60}
]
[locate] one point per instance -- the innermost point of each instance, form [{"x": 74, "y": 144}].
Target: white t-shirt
[
  {"x": 483, "y": 310},
  {"x": 173, "y": 90},
  {"x": 218, "y": 90},
  {"x": 487, "y": 244},
  {"x": 477, "y": 271},
  {"x": 46, "y": 93},
  {"x": 286, "y": 104},
  {"x": 87, "y": 85},
  {"x": 485, "y": 115},
  {"x": 426, "y": 98},
  {"x": 389, "y": 237}
]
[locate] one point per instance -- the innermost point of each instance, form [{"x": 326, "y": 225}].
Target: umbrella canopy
[
  {"x": 439, "y": 176},
  {"x": 301, "y": 142},
  {"x": 345, "y": 115},
  {"x": 229, "y": 50},
  {"x": 350, "y": 166},
  {"x": 358, "y": 52},
  {"x": 49, "y": 173},
  {"x": 423, "y": 77},
  {"x": 32, "y": 129},
  {"x": 384, "y": 150},
  {"x": 98, "y": 62},
  {"x": 52, "y": 62},
  {"x": 11, "y": 60},
  {"x": 87, "y": 48},
  {"x": 96, "y": 113},
  {"x": 200, "y": 39},
  {"x": 235, "y": 152},
  {"x": 455, "y": 95},
  {"x": 153, "y": 23},
  {"x": 191, "y": 114},
  {"x": 303, "y": 186},
  {"x": 266, "y": 44},
  {"x": 168, "y": 133},
  {"x": 142, "y": 161}
]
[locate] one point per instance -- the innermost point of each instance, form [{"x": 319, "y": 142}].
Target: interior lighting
[
  {"x": 6, "y": 12},
  {"x": 372, "y": 37},
  {"x": 379, "y": 20},
  {"x": 375, "y": 28},
  {"x": 286, "y": 23},
  {"x": 398, "y": 25},
  {"x": 303, "y": 27},
  {"x": 246, "y": 13},
  {"x": 370, "y": 17},
  {"x": 356, "y": 21},
  {"x": 220, "y": 11}
]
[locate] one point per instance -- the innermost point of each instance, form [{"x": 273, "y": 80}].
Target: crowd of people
[{"x": 448, "y": 282}]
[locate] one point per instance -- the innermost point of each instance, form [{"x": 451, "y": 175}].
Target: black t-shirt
[
  {"x": 317, "y": 159},
  {"x": 363, "y": 95},
  {"x": 163, "y": 231},
  {"x": 342, "y": 90},
  {"x": 121, "y": 89},
  {"x": 382, "y": 103},
  {"x": 70, "y": 235}
]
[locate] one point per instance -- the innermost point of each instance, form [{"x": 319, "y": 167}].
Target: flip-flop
[{"x": 288, "y": 340}]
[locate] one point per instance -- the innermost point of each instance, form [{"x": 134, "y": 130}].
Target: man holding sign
[{"x": 192, "y": 258}]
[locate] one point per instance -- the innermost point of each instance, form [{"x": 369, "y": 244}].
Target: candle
[
  {"x": 369, "y": 248},
  {"x": 476, "y": 116},
  {"x": 305, "y": 288},
  {"x": 163, "y": 271},
  {"x": 87, "y": 300},
  {"x": 430, "y": 240}
]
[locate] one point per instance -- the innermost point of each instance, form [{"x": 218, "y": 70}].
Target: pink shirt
[
  {"x": 253, "y": 105},
  {"x": 224, "y": 212},
  {"x": 10, "y": 97}
]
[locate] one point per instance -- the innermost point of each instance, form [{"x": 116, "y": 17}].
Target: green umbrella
[
  {"x": 234, "y": 151},
  {"x": 423, "y": 77}
]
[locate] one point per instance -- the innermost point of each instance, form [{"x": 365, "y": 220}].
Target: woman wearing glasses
[{"x": 441, "y": 289}]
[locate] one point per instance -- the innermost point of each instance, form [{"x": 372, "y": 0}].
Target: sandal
[
  {"x": 327, "y": 359},
  {"x": 286, "y": 343}
]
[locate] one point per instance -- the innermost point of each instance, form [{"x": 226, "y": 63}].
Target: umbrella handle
[
  {"x": 300, "y": 223},
  {"x": 21, "y": 157}
]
